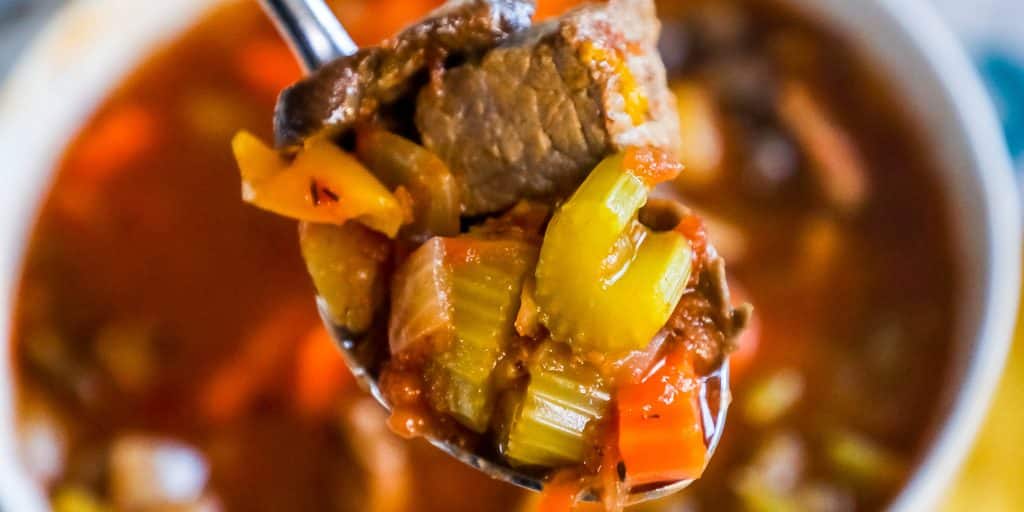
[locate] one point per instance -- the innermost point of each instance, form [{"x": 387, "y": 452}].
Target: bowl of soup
[{"x": 163, "y": 350}]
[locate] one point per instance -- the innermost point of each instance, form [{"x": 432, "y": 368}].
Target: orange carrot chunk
[
  {"x": 251, "y": 371},
  {"x": 320, "y": 374},
  {"x": 118, "y": 137},
  {"x": 267, "y": 66},
  {"x": 660, "y": 434},
  {"x": 651, "y": 165}
]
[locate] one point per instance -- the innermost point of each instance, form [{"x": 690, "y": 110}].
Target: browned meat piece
[
  {"x": 534, "y": 115},
  {"x": 351, "y": 89}
]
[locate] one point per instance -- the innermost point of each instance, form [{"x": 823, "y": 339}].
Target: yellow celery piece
[
  {"x": 397, "y": 161},
  {"x": 549, "y": 422},
  {"x": 605, "y": 282},
  {"x": 487, "y": 278},
  {"x": 322, "y": 184}
]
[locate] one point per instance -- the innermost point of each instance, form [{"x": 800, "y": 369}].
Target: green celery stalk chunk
[
  {"x": 397, "y": 161},
  {"x": 604, "y": 281},
  {"x": 548, "y": 424},
  {"x": 487, "y": 277}
]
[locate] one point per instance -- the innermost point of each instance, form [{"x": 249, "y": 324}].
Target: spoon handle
[{"x": 311, "y": 29}]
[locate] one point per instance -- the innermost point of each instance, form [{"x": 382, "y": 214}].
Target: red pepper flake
[
  {"x": 319, "y": 194},
  {"x": 651, "y": 165},
  {"x": 314, "y": 193}
]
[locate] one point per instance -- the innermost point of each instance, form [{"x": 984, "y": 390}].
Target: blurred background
[{"x": 991, "y": 29}]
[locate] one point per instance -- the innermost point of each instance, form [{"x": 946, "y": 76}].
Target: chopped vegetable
[
  {"x": 604, "y": 281},
  {"x": 703, "y": 147},
  {"x": 348, "y": 266},
  {"x": 658, "y": 413},
  {"x": 77, "y": 499},
  {"x": 821, "y": 247},
  {"x": 770, "y": 399},
  {"x": 257, "y": 361},
  {"x": 126, "y": 349},
  {"x": 124, "y": 133},
  {"x": 862, "y": 460},
  {"x": 320, "y": 374},
  {"x": 323, "y": 184},
  {"x": 400, "y": 162},
  {"x": 421, "y": 310},
  {"x": 840, "y": 169},
  {"x": 487, "y": 277},
  {"x": 548, "y": 424},
  {"x": 770, "y": 482},
  {"x": 455, "y": 302}
]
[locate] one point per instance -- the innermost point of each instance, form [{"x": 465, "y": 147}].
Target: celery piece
[
  {"x": 77, "y": 499},
  {"x": 604, "y": 281},
  {"x": 863, "y": 460},
  {"x": 487, "y": 276},
  {"x": 421, "y": 309},
  {"x": 398, "y": 161},
  {"x": 547, "y": 424},
  {"x": 771, "y": 398},
  {"x": 347, "y": 264}
]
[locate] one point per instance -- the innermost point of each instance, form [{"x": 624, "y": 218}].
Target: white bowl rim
[{"x": 930, "y": 39}]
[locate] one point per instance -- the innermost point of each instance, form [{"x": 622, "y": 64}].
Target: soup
[{"x": 163, "y": 328}]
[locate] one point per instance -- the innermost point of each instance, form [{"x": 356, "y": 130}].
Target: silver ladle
[{"x": 317, "y": 37}]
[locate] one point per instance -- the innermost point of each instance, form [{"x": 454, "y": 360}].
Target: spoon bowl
[
  {"x": 364, "y": 360},
  {"x": 317, "y": 37}
]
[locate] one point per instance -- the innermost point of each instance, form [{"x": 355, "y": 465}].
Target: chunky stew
[{"x": 170, "y": 356}]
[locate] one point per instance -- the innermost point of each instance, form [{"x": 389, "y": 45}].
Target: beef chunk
[
  {"x": 534, "y": 115},
  {"x": 351, "y": 89}
]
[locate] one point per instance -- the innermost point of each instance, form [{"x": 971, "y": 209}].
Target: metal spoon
[{"x": 317, "y": 37}]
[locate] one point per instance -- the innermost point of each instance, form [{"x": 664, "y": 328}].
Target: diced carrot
[
  {"x": 119, "y": 136},
  {"x": 840, "y": 170},
  {"x": 703, "y": 149},
  {"x": 660, "y": 433},
  {"x": 252, "y": 369},
  {"x": 651, "y": 165},
  {"x": 320, "y": 374},
  {"x": 267, "y": 66}
]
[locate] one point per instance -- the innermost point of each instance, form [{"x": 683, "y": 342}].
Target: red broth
[{"x": 155, "y": 303}]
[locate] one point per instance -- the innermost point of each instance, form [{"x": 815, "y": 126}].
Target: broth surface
[{"x": 155, "y": 302}]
